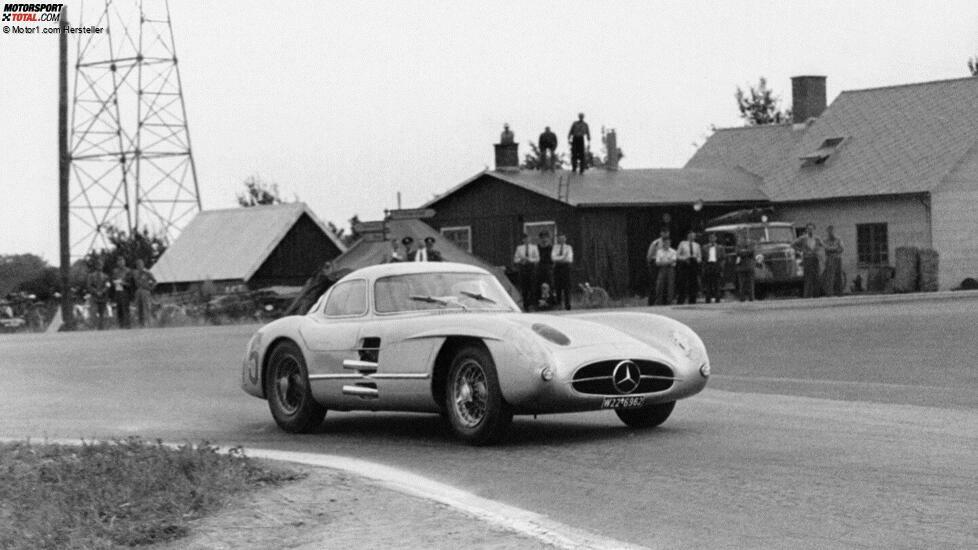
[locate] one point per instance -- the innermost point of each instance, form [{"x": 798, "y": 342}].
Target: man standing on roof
[
  {"x": 506, "y": 137},
  {"x": 548, "y": 149},
  {"x": 579, "y": 131}
]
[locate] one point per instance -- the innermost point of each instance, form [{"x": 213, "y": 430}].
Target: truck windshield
[{"x": 772, "y": 234}]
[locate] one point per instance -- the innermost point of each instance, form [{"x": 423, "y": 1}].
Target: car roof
[
  {"x": 410, "y": 268},
  {"x": 736, "y": 226}
]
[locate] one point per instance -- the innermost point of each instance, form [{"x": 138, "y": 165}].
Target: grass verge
[{"x": 117, "y": 494}]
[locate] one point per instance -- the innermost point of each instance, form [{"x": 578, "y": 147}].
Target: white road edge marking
[
  {"x": 508, "y": 517},
  {"x": 496, "y": 513}
]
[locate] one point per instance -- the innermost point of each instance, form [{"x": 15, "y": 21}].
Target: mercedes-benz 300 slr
[{"x": 446, "y": 338}]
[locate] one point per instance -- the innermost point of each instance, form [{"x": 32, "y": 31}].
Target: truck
[{"x": 778, "y": 267}]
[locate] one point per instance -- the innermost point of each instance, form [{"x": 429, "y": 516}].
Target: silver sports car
[{"x": 446, "y": 338}]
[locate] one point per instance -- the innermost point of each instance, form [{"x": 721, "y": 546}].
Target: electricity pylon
[{"x": 131, "y": 161}]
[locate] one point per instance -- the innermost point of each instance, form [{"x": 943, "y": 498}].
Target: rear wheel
[
  {"x": 288, "y": 392},
  {"x": 474, "y": 403},
  {"x": 648, "y": 416}
]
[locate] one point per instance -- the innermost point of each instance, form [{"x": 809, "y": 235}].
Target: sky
[{"x": 344, "y": 105}]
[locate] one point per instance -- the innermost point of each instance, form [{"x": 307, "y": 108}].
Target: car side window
[{"x": 346, "y": 299}]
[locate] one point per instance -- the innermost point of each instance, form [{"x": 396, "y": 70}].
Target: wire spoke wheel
[
  {"x": 473, "y": 401},
  {"x": 470, "y": 392},
  {"x": 288, "y": 385}
]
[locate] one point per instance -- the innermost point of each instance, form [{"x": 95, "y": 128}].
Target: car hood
[{"x": 580, "y": 332}]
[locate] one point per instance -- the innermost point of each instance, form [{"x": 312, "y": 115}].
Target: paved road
[{"x": 831, "y": 427}]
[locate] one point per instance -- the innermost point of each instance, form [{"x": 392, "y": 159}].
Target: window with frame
[
  {"x": 533, "y": 230},
  {"x": 872, "y": 247},
  {"x": 460, "y": 236},
  {"x": 347, "y": 299}
]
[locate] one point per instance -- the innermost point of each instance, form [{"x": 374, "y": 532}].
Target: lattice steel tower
[{"x": 131, "y": 161}]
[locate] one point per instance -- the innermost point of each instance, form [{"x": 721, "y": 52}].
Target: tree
[
  {"x": 16, "y": 269},
  {"x": 760, "y": 106},
  {"x": 973, "y": 65},
  {"x": 259, "y": 192},
  {"x": 141, "y": 245},
  {"x": 533, "y": 160}
]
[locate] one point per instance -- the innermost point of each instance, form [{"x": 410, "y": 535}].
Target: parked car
[
  {"x": 778, "y": 265},
  {"x": 446, "y": 338}
]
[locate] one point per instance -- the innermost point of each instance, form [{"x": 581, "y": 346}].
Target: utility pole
[{"x": 64, "y": 162}]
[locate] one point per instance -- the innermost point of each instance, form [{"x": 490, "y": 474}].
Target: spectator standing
[
  {"x": 98, "y": 285},
  {"x": 809, "y": 245},
  {"x": 526, "y": 258},
  {"x": 745, "y": 270},
  {"x": 409, "y": 251},
  {"x": 833, "y": 263},
  {"x": 121, "y": 292},
  {"x": 579, "y": 133},
  {"x": 650, "y": 260},
  {"x": 689, "y": 256},
  {"x": 665, "y": 262},
  {"x": 545, "y": 269},
  {"x": 548, "y": 150},
  {"x": 563, "y": 258},
  {"x": 144, "y": 281},
  {"x": 427, "y": 253},
  {"x": 713, "y": 259}
]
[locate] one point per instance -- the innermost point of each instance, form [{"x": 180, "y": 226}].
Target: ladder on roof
[{"x": 563, "y": 188}]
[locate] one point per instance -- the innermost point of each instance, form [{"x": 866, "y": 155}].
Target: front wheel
[
  {"x": 648, "y": 416},
  {"x": 288, "y": 393},
  {"x": 474, "y": 403}
]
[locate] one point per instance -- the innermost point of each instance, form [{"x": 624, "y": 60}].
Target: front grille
[{"x": 595, "y": 379}]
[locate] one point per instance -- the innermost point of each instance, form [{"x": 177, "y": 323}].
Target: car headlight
[{"x": 551, "y": 334}]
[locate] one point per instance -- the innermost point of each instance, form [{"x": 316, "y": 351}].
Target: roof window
[{"x": 822, "y": 154}]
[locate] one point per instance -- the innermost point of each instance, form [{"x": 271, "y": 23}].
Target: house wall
[
  {"x": 297, "y": 257},
  {"x": 496, "y": 211},
  {"x": 907, "y": 218},
  {"x": 955, "y": 225}
]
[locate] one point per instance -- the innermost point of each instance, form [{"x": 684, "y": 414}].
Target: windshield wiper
[
  {"x": 443, "y": 301},
  {"x": 477, "y": 296}
]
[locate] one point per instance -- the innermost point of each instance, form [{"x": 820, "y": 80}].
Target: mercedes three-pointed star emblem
[{"x": 625, "y": 377}]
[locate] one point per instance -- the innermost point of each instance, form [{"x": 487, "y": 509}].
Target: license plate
[{"x": 630, "y": 402}]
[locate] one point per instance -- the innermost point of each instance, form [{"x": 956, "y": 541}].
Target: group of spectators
[
  {"x": 544, "y": 271},
  {"x": 579, "y": 138},
  {"x": 124, "y": 287},
  {"x": 676, "y": 273},
  {"x": 425, "y": 253}
]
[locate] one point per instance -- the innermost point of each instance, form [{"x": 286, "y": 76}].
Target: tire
[
  {"x": 287, "y": 391},
  {"x": 474, "y": 404},
  {"x": 648, "y": 416}
]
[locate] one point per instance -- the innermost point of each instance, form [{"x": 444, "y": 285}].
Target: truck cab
[{"x": 777, "y": 266}]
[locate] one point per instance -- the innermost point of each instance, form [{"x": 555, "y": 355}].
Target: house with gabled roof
[
  {"x": 887, "y": 167},
  {"x": 254, "y": 247}
]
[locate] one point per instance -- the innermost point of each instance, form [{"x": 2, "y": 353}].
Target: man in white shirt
[
  {"x": 563, "y": 258},
  {"x": 713, "y": 260},
  {"x": 689, "y": 256},
  {"x": 665, "y": 263},
  {"x": 526, "y": 258}
]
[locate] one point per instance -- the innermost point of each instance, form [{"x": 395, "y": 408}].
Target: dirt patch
[{"x": 330, "y": 509}]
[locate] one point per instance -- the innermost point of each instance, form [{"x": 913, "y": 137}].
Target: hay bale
[
  {"x": 928, "y": 269},
  {"x": 905, "y": 278}
]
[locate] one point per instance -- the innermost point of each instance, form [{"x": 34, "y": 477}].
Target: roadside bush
[{"x": 118, "y": 494}]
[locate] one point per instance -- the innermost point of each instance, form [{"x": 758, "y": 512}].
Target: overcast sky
[{"x": 343, "y": 104}]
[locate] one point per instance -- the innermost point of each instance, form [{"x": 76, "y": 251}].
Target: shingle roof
[
  {"x": 898, "y": 139},
  {"x": 231, "y": 243},
  {"x": 636, "y": 186}
]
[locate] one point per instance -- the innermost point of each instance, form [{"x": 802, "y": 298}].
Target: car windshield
[{"x": 423, "y": 291}]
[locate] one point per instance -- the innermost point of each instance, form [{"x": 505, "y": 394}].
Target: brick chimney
[
  {"x": 611, "y": 146},
  {"x": 807, "y": 98},
  {"x": 507, "y": 152}
]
